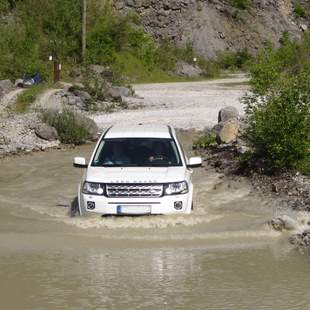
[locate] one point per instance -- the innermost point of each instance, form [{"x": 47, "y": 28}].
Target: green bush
[
  {"x": 272, "y": 64},
  {"x": 242, "y": 4},
  {"x": 278, "y": 124},
  {"x": 300, "y": 11},
  {"x": 205, "y": 140},
  {"x": 234, "y": 60},
  {"x": 70, "y": 131}
]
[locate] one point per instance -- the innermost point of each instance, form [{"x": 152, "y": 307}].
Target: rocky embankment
[
  {"x": 24, "y": 133},
  {"x": 224, "y": 155},
  {"x": 292, "y": 190},
  {"x": 217, "y": 25}
]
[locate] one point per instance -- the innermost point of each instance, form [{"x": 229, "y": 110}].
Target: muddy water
[{"x": 223, "y": 256}]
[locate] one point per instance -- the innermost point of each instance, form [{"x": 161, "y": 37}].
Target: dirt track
[{"x": 182, "y": 105}]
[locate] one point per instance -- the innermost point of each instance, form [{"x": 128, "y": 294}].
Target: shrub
[
  {"x": 234, "y": 60},
  {"x": 272, "y": 64},
  {"x": 300, "y": 11},
  {"x": 242, "y": 4},
  {"x": 205, "y": 140},
  {"x": 70, "y": 131},
  {"x": 278, "y": 124}
]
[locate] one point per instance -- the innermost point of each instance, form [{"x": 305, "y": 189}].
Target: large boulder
[
  {"x": 97, "y": 69},
  {"x": 46, "y": 132},
  {"x": 227, "y": 132},
  {"x": 76, "y": 73},
  {"x": 228, "y": 113},
  {"x": 187, "y": 70},
  {"x": 6, "y": 86},
  {"x": 117, "y": 92},
  {"x": 84, "y": 95},
  {"x": 89, "y": 124},
  {"x": 101, "y": 71}
]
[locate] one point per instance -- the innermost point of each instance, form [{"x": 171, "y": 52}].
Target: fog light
[
  {"x": 90, "y": 205},
  {"x": 178, "y": 205}
]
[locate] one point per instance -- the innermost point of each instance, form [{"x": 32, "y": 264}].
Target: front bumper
[{"x": 174, "y": 204}]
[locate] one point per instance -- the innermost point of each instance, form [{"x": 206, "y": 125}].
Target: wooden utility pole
[{"x": 84, "y": 28}]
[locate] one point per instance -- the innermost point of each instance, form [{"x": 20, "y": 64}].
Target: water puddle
[{"x": 224, "y": 255}]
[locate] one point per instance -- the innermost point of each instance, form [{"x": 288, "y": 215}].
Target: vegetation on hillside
[
  {"x": 278, "y": 110},
  {"x": 30, "y": 34}
]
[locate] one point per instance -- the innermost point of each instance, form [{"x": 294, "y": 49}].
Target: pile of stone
[
  {"x": 25, "y": 133},
  {"x": 301, "y": 240},
  {"x": 99, "y": 91}
]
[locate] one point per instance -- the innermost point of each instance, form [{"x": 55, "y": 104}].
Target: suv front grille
[{"x": 134, "y": 190}]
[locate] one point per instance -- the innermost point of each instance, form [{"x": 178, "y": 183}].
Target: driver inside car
[{"x": 158, "y": 153}]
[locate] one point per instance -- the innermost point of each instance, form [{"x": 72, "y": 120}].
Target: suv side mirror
[
  {"x": 194, "y": 162},
  {"x": 79, "y": 162}
]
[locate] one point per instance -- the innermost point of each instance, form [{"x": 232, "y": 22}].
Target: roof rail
[{"x": 170, "y": 131}]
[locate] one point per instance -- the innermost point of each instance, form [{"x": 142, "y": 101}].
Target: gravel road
[
  {"x": 183, "y": 105},
  {"x": 9, "y": 99}
]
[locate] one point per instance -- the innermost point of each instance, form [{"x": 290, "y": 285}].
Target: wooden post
[{"x": 56, "y": 71}]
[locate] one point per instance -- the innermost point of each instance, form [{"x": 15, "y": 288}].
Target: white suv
[{"x": 137, "y": 170}]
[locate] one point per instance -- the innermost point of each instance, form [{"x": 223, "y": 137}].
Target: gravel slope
[{"x": 182, "y": 105}]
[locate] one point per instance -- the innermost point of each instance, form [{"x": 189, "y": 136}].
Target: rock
[
  {"x": 117, "y": 92},
  {"x": 97, "y": 69},
  {"x": 89, "y": 124},
  {"x": 243, "y": 149},
  {"x": 284, "y": 223},
  {"x": 303, "y": 27},
  {"x": 76, "y": 73},
  {"x": 187, "y": 70},
  {"x": 46, "y": 132},
  {"x": 227, "y": 132},
  {"x": 74, "y": 101},
  {"x": 277, "y": 224},
  {"x": 301, "y": 240},
  {"x": 4, "y": 140},
  {"x": 6, "y": 86},
  {"x": 228, "y": 113},
  {"x": 85, "y": 96},
  {"x": 100, "y": 70}
]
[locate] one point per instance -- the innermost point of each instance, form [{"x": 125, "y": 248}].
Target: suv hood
[{"x": 135, "y": 174}]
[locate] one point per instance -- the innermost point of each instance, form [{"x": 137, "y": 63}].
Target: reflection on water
[
  {"x": 155, "y": 278},
  {"x": 223, "y": 256}
]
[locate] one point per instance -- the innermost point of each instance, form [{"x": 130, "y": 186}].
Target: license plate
[{"x": 132, "y": 209}]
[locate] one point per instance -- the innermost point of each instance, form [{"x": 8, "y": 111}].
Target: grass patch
[
  {"x": 300, "y": 11},
  {"x": 68, "y": 127},
  {"x": 205, "y": 140},
  {"x": 137, "y": 72},
  {"x": 26, "y": 98}
]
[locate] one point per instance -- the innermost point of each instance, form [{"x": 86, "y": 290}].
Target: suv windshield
[{"x": 135, "y": 152}]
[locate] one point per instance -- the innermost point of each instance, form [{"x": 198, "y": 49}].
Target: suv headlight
[
  {"x": 176, "y": 188},
  {"x": 93, "y": 188}
]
